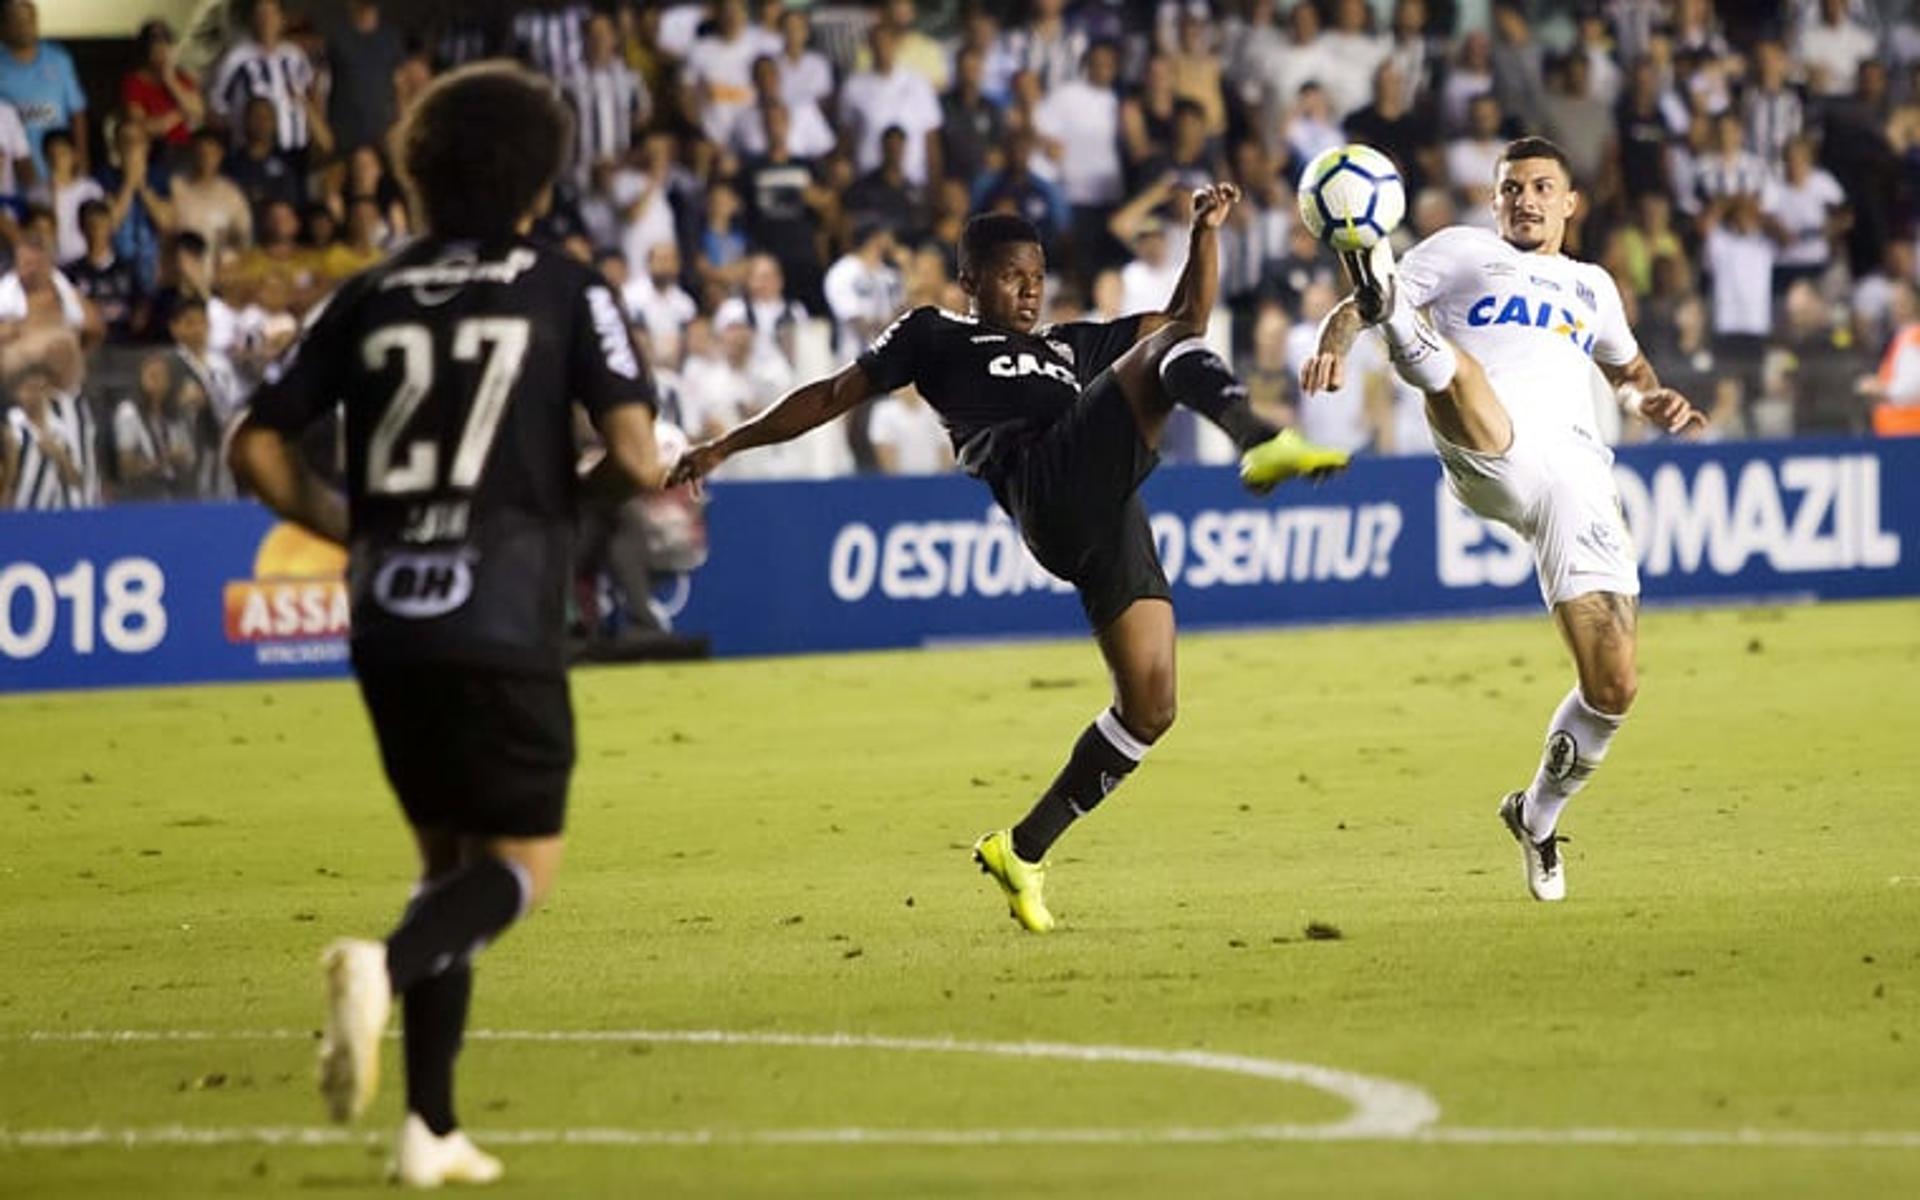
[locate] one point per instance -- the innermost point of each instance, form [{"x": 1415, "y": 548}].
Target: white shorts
[{"x": 1562, "y": 499}]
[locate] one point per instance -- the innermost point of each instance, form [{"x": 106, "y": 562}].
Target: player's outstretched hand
[
  {"x": 697, "y": 463},
  {"x": 1322, "y": 373},
  {"x": 1670, "y": 411},
  {"x": 1212, "y": 203}
]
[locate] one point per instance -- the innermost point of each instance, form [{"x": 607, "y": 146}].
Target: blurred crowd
[{"x": 769, "y": 184}]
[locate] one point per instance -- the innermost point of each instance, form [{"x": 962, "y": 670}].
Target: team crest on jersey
[{"x": 1586, "y": 296}]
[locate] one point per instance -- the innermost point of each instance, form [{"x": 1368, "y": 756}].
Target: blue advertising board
[{"x": 163, "y": 594}]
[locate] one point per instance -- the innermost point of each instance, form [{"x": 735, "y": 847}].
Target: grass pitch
[{"x": 780, "y": 846}]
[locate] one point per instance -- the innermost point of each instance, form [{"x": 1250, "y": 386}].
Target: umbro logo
[{"x": 979, "y": 339}]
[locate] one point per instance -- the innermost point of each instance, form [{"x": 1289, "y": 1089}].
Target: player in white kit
[{"x": 1502, "y": 331}]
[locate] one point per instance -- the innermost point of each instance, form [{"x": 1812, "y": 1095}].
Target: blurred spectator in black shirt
[
  {"x": 102, "y": 276},
  {"x": 257, "y": 165},
  {"x": 1391, "y": 124},
  {"x": 885, "y": 194},
  {"x": 362, "y": 57},
  {"x": 972, "y": 124}
]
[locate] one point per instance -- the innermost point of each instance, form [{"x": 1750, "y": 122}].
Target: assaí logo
[{"x": 294, "y": 609}]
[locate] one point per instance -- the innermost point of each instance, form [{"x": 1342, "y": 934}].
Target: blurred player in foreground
[
  {"x": 1063, "y": 424},
  {"x": 1501, "y": 331},
  {"x": 458, "y": 362}
]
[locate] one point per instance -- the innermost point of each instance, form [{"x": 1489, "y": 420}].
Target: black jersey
[
  {"x": 993, "y": 387},
  {"x": 457, "y": 364}
]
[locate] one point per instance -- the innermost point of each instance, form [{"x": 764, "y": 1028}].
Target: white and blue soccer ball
[{"x": 1351, "y": 197}]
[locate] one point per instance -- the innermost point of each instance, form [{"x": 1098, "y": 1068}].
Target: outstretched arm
[
  {"x": 803, "y": 409},
  {"x": 1326, "y": 371},
  {"x": 1639, "y": 391},
  {"x": 1199, "y": 283}
]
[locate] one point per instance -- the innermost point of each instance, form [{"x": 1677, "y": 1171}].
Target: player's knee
[
  {"x": 1150, "y": 716},
  {"x": 1612, "y": 692}
]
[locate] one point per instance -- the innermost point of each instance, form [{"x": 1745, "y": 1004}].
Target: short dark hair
[
  {"x": 92, "y": 208},
  {"x": 480, "y": 146},
  {"x": 62, "y": 135},
  {"x": 185, "y": 305},
  {"x": 1537, "y": 147},
  {"x": 988, "y": 232}
]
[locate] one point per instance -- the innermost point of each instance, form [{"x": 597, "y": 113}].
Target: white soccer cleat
[
  {"x": 1546, "y": 874},
  {"x": 422, "y": 1160},
  {"x": 1371, "y": 273},
  {"x": 359, "y": 997}
]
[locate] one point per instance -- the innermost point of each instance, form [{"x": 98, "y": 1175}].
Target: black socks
[
  {"x": 451, "y": 919},
  {"x": 1195, "y": 376},
  {"x": 434, "y": 1015},
  {"x": 1105, "y": 754}
]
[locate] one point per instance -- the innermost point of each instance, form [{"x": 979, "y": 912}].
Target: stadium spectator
[
  {"x": 550, "y": 36},
  {"x": 1431, "y": 211},
  {"x": 656, "y": 301},
  {"x": 209, "y": 203},
  {"x": 720, "y": 70},
  {"x": 1637, "y": 245},
  {"x": 886, "y": 96},
  {"x": 720, "y": 261},
  {"x": 641, "y": 194},
  {"x": 1594, "y": 45},
  {"x": 1390, "y": 122},
  {"x": 1739, "y": 248},
  {"x": 1729, "y": 169},
  {"x": 1817, "y": 362},
  {"x": 1414, "y": 52},
  {"x": 886, "y": 195},
  {"x": 1808, "y": 203},
  {"x": 1196, "y": 69},
  {"x": 211, "y": 369},
  {"x": 1894, "y": 389},
  {"x": 1271, "y": 383},
  {"x": 263, "y": 65},
  {"x": 1079, "y": 127},
  {"x": 1474, "y": 156},
  {"x": 37, "y": 78},
  {"x": 155, "y": 450},
  {"x": 863, "y": 289},
  {"x": 1640, "y": 137},
  {"x": 53, "y": 465},
  {"x": 276, "y": 250},
  {"x": 1359, "y": 51},
  {"x": 765, "y": 307},
  {"x": 1148, "y": 280},
  {"x": 1308, "y": 129},
  {"x": 1833, "y": 47},
  {"x": 1773, "y": 111},
  {"x": 36, "y": 294},
  {"x": 808, "y": 134},
  {"x": 1468, "y": 76},
  {"x": 784, "y": 206},
  {"x": 1048, "y": 44},
  {"x": 916, "y": 51},
  {"x": 66, "y": 190},
  {"x": 1352, "y": 416},
  {"x": 608, "y": 99},
  {"x": 103, "y": 278},
  {"x": 1580, "y": 124},
  {"x": 907, "y": 436},
  {"x": 1518, "y": 64},
  {"x": 1146, "y": 120},
  {"x": 1020, "y": 188},
  {"x": 161, "y": 93},
  {"x": 360, "y": 245},
  {"x": 137, "y": 193},
  {"x": 367, "y": 180},
  {"x": 258, "y": 167},
  {"x": 971, "y": 125},
  {"x": 363, "y": 57},
  {"x": 806, "y": 77}
]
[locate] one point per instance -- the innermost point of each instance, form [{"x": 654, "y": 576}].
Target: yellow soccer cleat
[
  {"x": 1021, "y": 880},
  {"x": 1286, "y": 455}
]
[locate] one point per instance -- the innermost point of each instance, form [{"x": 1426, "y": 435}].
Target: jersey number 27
[{"x": 501, "y": 342}]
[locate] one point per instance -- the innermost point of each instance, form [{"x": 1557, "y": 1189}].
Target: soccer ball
[{"x": 1351, "y": 197}]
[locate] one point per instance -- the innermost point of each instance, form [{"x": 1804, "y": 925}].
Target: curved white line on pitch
[{"x": 1382, "y": 1108}]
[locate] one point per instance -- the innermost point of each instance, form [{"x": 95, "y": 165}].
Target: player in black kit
[
  {"x": 458, "y": 362},
  {"x": 1063, "y": 424}
]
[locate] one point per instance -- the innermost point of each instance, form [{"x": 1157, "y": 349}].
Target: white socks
[
  {"x": 1577, "y": 741},
  {"x": 1421, "y": 357}
]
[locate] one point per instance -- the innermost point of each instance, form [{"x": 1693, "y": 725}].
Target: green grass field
[{"x": 780, "y": 847}]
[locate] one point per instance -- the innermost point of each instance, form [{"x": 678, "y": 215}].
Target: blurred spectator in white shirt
[
  {"x": 655, "y": 299},
  {"x": 808, "y": 134},
  {"x": 1310, "y": 128},
  {"x": 888, "y": 95},
  {"x": 805, "y": 75},
  {"x": 1079, "y": 124},
  {"x": 907, "y": 436},
  {"x": 640, "y": 195},
  {"x": 1809, "y": 203},
  {"x": 1474, "y": 157},
  {"x": 720, "y": 70},
  {"x": 1470, "y": 75},
  {"x": 765, "y": 307},
  {"x": 863, "y": 290},
  {"x": 1833, "y": 47},
  {"x": 1358, "y": 51},
  {"x": 1148, "y": 281}
]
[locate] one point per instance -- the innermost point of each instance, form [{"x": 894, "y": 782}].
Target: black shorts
[
  {"x": 474, "y": 750},
  {"x": 1073, "y": 488}
]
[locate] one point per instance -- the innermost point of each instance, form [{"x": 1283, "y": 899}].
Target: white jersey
[{"x": 1535, "y": 322}]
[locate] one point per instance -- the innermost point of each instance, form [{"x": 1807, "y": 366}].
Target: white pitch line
[{"x": 1384, "y": 1110}]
